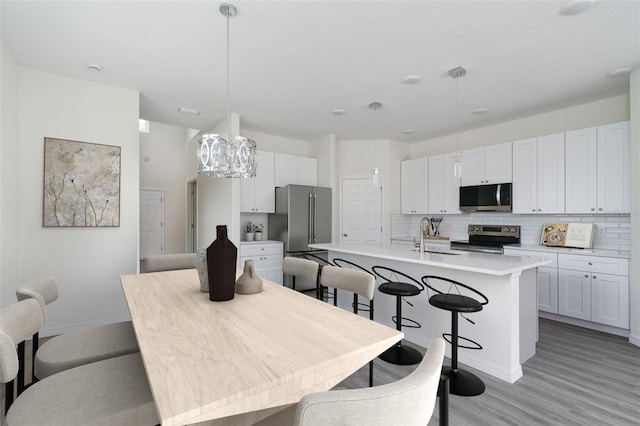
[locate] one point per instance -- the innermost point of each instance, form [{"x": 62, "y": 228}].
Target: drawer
[
  {"x": 260, "y": 249},
  {"x": 604, "y": 265},
  {"x": 534, "y": 253}
]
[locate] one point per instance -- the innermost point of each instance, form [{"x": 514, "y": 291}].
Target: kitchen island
[{"x": 507, "y": 327}]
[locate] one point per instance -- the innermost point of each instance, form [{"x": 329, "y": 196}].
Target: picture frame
[{"x": 81, "y": 184}]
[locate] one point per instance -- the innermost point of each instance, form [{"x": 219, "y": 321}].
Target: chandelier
[
  {"x": 233, "y": 156},
  {"x": 457, "y": 165}
]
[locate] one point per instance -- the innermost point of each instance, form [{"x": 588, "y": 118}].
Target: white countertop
[
  {"x": 567, "y": 250},
  {"x": 491, "y": 264}
]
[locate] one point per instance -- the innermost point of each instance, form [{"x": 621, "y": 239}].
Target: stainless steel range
[{"x": 488, "y": 238}]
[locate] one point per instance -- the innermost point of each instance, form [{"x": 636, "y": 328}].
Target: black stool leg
[
  {"x": 8, "y": 395},
  {"x": 462, "y": 383},
  {"x": 399, "y": 354}
]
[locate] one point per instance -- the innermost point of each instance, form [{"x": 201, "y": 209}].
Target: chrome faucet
[{"x": 422, "y": 222}]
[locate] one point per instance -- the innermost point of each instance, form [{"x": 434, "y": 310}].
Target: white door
[
  {"x": 151, "y": 222},
  {"x": 361, "y": 211}
]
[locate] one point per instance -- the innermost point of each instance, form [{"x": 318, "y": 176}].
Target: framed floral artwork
[{"x": 81, "y": 184}]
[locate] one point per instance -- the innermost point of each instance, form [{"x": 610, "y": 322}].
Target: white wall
[
  {"x": 634, "y": 265},
  {"x": 9, "y": 190},
  {"x": 161, "y": 167},
  {"x": 279, "y": 144},
  {"x": 86, "y": 262},
  {"x": 605, "y": 111}
]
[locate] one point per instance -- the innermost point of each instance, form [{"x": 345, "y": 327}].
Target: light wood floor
[{"x": 577, "y": 377}]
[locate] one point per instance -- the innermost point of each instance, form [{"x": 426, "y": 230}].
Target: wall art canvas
[{"x": 81, "y": 184}]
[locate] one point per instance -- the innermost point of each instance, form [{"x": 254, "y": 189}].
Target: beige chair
[
  {"x": 302, "y": 268},
  {"x": 358, "y": 282},
  {"x": 114, "y": 391},
  {"x": 74, "y": 348},
  {"x": 167, "y": 262},
  {"x": 407, "y": 402}
]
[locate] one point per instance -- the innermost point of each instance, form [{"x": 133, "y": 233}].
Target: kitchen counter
[
  {"x": 507, "y": 327},
  {"x": 444, "y": 258},
  {"x": 567, "y": 250}
]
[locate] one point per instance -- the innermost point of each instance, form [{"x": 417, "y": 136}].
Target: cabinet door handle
[
  {"x": 590, "y": 263},
  {"x": 593, "y": 209},
  {"x": 586, "y": 275},
  {"x": 600, "y": 209},
  {"x": 594, "y": 277}
]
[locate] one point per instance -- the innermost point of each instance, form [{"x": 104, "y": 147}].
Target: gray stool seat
[
  {"x": 114, "y": 391},
  {"x": 81, "y": 347}
]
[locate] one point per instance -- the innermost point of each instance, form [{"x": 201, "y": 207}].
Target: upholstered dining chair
[
  {"x": 358, "y": 282},
  {"x": 406, "y": 402},
  {"x": 167, "y": 262},
  {"x": 302, "y": 268},
  {"x": 75, "y": 348},
  {"x": 112, "y": 391}
]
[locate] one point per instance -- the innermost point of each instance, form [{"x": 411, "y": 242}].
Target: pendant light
[
  {"x": 457, "y": 165},
  {"x": 377, "y": 179},
  {"x": 233, "y": 156}
]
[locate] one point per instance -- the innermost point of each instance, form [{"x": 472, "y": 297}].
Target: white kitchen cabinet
[
  {"x": 598, "y": 170},
  {"x": 594, "y": 288},
  {"x": 487, "y": 165},
  {"x": 574, "y": 294},
  {"x": 414, "y": 186},
  {"x": 267, "y": 258},
  {"x": 443, "y": 186},
  {"x": 538, "y": 175},
  {"x": 614, "y": 168},
  {"x": 295, "y": 170},
  {"x": 257, "y": 194}
]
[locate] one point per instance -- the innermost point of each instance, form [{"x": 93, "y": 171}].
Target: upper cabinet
[
  {"x": 295, "y": 170},
  {"x": 598, "y": 170},
  {"x": 444, "y": 193},
  {"x": 413, "y": 182},
  {"x": 538, "y": 175},
  {"x": 257, "y": 194},
  {"x": 487, "y": 165}
]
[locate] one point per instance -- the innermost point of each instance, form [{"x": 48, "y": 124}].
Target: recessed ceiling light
[
  {"x": 574, "y": 7},
  {"x": 190, "y": 111},
  {"x": 479, "y": 111},
  {"x": 337, "y": 111},
  {"x": 619, "y": 72},
  {"x": 407, "y": 131},
  {"x": 95, "y": 67},
  {"x": 411, "y": 79}
]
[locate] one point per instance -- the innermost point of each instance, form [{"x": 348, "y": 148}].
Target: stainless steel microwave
[{"x": 494, "y": 197}]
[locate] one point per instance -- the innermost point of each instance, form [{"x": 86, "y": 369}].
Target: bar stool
[
  {"x": 462, "y": 383},
  {"x": 359, "y": 282},
  {"x": 321, "y": 264},
  {"x": 303, "y": 268},
  {"x": 343, "y": 263},
  {"x": 399, "y": 285}
]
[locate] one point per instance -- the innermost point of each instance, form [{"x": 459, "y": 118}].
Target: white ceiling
[{"x": 293, "y": 62}]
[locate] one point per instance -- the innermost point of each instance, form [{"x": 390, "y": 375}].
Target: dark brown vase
[{"x": 221, "y": 265}]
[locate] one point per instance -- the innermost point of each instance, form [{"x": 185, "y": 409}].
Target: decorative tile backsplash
[{"x": 613, "y": 232}]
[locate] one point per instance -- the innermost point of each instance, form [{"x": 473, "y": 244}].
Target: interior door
[
  {"x": 361, "y": 209},
  {"x": 151, "y": 222}
]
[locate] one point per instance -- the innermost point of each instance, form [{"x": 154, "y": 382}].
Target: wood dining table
[{"x": 239, "y": 361}]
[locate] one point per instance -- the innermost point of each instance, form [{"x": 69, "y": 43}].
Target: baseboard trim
[
  {"x": 634, "y": 339},
  {"x": 54, "y": 331},
  {"x": 585, "y": 324}
]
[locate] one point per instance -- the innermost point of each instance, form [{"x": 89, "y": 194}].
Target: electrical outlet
[{"x": 600, "y": 230}]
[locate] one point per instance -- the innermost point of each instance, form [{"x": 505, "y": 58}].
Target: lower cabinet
[
  {"x": 596, "y": 297},
  {"x": 589, "y": 288},
  {"x": 267, "y": 259}
]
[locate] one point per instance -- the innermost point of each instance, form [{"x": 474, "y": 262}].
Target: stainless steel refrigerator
[{"x": 302, "y": 217}]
